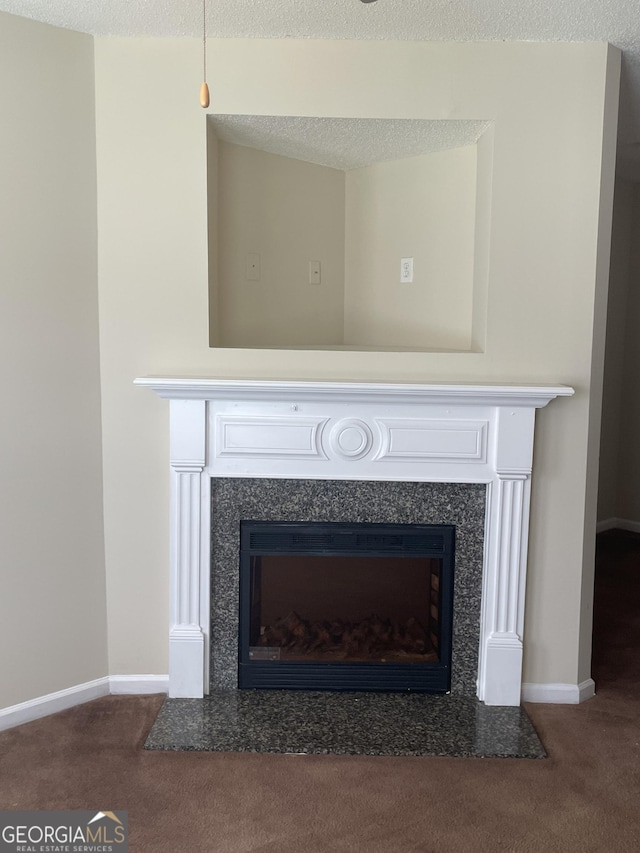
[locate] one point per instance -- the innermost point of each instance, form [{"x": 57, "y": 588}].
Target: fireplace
[
  {"x": 331, "y": 433},
  {"x": 290, "y": 504},
  {"x": 335, "y": 606}
]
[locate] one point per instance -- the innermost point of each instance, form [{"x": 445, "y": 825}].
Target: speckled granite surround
[
  {"x": 236, "y": 499},
  {"x": 344, "y": 724}
]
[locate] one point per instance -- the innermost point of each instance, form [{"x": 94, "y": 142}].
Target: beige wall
[
  {"x": 602, "y": 252},
  {"x": 289, "y": 212},
  {"x": 420, "y": 207},
  {"x": 152, "y": 261},
  {"x": 482, "y": 239},
  {"x": 610, "y": 472},
  {"x": 52, "y": 600},
  {"x": 548, "y": 104},
  {"x": 212, "y": 232}
]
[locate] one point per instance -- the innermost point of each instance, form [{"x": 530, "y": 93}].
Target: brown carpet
[{"x": 584, "y": 797}]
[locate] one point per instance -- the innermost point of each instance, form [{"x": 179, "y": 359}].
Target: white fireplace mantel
[{"x": 359, "y": 431}]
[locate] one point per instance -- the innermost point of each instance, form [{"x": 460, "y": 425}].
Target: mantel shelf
[{"x": 196, "y": 388}]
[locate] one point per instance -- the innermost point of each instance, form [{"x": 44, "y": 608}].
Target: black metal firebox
[{"x": 332, "y": 606}]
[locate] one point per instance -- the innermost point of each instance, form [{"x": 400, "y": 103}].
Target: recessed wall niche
[{"x": 310, "y": 218}]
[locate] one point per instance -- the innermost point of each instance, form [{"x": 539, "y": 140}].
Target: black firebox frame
[{"x": 259, "y": 538}]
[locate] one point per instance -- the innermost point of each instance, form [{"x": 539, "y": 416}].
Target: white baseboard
[
  {"x": 618, "y": 524},
  {"x": 559, "y": 694},
  {"x": 121, "y": 684},
  {"x": 42, "y": 706}
]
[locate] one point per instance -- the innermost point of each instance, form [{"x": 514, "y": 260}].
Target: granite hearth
[{"x": 307, "y": 722}]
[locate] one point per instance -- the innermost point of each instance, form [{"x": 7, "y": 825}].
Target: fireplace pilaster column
[
  {"x": 186, "y": 639},
  {"x": 506, "y": 541}
]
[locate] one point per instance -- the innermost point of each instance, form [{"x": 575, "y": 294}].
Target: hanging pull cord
[{"x": 204, "y": 89}]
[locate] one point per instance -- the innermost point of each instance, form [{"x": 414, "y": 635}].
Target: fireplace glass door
[{"x": 345, "y": 606}]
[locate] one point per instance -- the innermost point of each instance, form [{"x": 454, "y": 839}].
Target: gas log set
[{"x": 372, "y": 638}]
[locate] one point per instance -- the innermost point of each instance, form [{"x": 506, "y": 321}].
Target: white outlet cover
[{"x": 406, "y": 270}]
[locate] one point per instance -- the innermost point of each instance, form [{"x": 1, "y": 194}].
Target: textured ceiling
[
  {"x": 345, "y": 143},
  {"x": 615, "y": 21}
]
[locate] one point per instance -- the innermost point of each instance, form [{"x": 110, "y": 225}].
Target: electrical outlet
[{"x": 406, "y": 270}]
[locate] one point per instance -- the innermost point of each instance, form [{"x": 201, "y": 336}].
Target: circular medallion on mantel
[{"x": 351, "y": 438}]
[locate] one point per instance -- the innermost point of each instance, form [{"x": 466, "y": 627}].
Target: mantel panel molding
[{"x": 361, "y": 431}]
